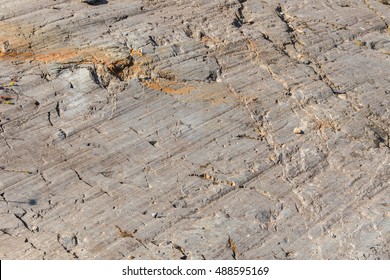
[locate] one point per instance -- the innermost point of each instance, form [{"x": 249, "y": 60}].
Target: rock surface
[{"x": 144, "y": 129}]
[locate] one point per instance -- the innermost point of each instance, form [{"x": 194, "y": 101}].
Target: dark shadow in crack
[
  {"x": 97, "y": 3},
  {"x": 29, "y": 202}
]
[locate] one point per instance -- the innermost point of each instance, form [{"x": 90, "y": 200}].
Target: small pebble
[
  {"x": 297, "y": 130},
  {"x": 158, "y": 215}
]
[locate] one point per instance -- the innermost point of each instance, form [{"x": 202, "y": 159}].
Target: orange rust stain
[
  {"x": 59, "y": 55},
  {"x": 16, "y": 56},
  {"x": 135, "y": 52},
  {"x": 139, "y": 65},
  {"x": 94, "y": 55}
]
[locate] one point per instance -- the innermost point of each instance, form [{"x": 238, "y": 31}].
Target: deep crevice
[
  {"x": 23, "y": 222},
  {"x": 58, "y": 109},
  {"x": 65, "y": 248},
  {"x": 240, "y": 20},
  {"x": 81, "y": 179},
  {"x": 280, "y": 14},
  {"x": 49, "y": 118}
]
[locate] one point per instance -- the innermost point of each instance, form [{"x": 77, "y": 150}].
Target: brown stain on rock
[
  {"x": 122, "y": 63},
  {"x": 125, "y": 65},
  {"x": 170, "y": 87},
  {"x": 138, "y": 66}
]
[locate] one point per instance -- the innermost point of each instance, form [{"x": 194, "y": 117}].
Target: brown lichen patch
[
  {"x": 327, "y": 124},
  {"x": 120, "y": 68},
  {"x": 123, "y": 233},
  {"x": 359, "y": 43}
]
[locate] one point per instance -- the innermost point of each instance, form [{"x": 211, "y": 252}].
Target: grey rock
[{"x": 262, "y": 122}]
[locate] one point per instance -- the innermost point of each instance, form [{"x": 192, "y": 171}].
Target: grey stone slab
[{"x": 173, "y": 129}]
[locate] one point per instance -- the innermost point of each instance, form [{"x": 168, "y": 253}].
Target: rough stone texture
[{"x": 172, "y": 129}]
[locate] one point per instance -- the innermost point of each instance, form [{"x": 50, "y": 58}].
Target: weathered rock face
[{"x": 169, "y": 129}]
